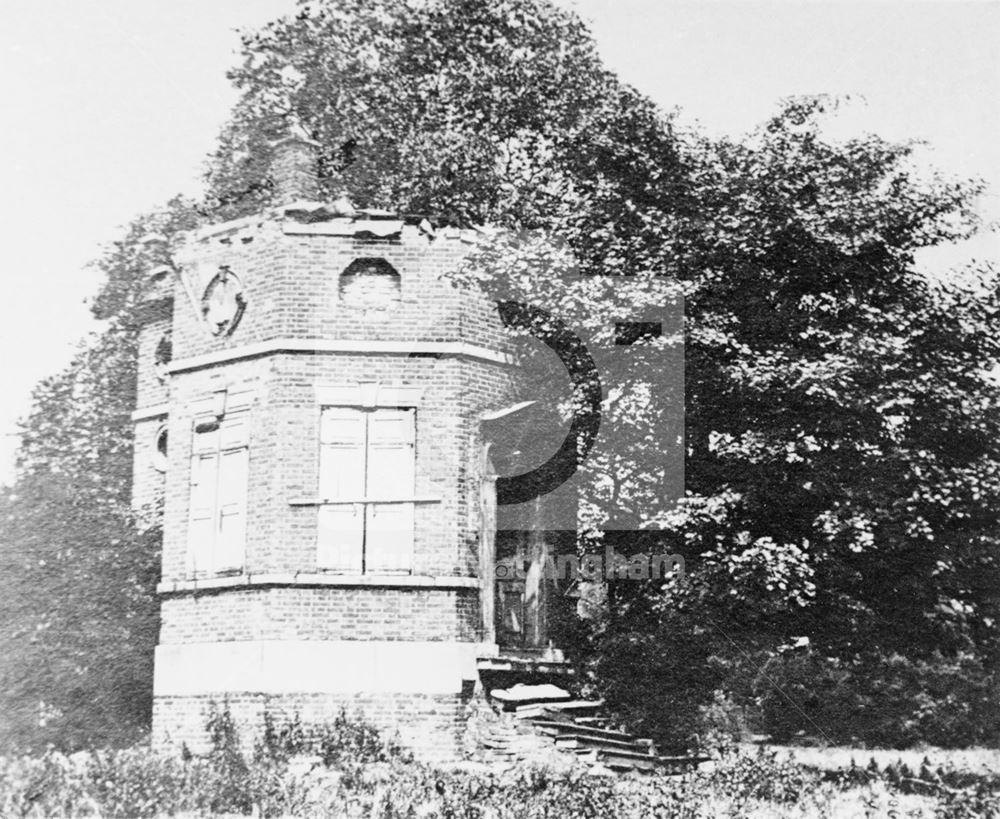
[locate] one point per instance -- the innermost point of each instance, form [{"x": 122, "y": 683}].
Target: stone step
[
  {"x": 571, "y": 706},
  {"x": 522, "y": 694},
  {"x": 545, "y": 716},
  {"x": 573, "y": 741},
  {"x": 627, "y": 761},
  {"x": 596, "y": 721},
  {"x": 557, "y": 727}
]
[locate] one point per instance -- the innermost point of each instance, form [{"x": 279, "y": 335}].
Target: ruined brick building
[{"x": 311, "y": 407}]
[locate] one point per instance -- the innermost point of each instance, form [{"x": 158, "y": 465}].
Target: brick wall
[
  {"x": 293, "y": 169},
  {"x": 321, "y": 614},
  {"x": 290, "y": 283},
  {"x": 151, "y": 389},
  {"x": 291, "y": 287},
  {"x": 147, "y": 480},
  {"x": 430, "y": 725},
  {"x": 284, "y": 453}
]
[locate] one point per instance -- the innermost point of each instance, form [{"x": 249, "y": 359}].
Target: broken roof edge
[
  {"x": 341, "y": 219},
  {"x": 343, "y": 208}
]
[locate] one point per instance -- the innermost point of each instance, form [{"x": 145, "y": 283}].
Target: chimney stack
[{"x": 295, "y": 168}]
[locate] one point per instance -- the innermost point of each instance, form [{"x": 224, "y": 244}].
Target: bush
[
  {"x": 761, "y": 776},
  {"x": 657, "y": 682},
  {"x": 354, "y": 741},
  {"x": 889, "y": 702},
  {"x": 723, "y": 722}
]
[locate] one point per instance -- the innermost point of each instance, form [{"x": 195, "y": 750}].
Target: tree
[
  {"x": 841, "y": 428},
  {"x": 841, "y": 417},
  {"x": 80, "y": 620},
  {"x": 79, "y": 615},
  {"x": 462, "y": 110},
  {"x": 78, "y": 608}
]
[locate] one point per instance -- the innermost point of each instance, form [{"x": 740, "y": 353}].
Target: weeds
[{"x": 348, "y": 769}]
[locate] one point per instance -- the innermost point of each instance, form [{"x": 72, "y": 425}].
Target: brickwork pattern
[
  {"x": 290, "y": 284},
  {"x": 322, "y": 614},
  {"x": 291, "y": 287},
  {"x": 430, "y": 725},
  {"x": 150, "y": 389},
  {"x": 294, "y": 170},
  {"x": 148, "y": 482},
  {"x": 284, "y": 454}
]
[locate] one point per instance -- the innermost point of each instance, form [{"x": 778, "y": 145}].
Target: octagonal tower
[{"x": 310, "y": 395}]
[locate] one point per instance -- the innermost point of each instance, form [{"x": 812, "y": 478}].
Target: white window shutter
[
  {"x": 206, "y": 442},
  {"x": 202, "y": 524},
  {"x": 389, "y": 526},
  {"x": 342, "y": 425},
  {"x": 341, "y": 538},
  {"x": 342, "y": 477},
  {"x": 232, "y": 499},
  {"x": 234, "y": 432},
  {"x": 219, "y": 476},
  {"x": 389, "y": 537},
  {"x": 342, "y": 454}
]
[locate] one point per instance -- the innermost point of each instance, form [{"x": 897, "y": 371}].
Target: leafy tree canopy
[
  {"x": 841, "y": 425},
  {"x": 462, "y": 110}
]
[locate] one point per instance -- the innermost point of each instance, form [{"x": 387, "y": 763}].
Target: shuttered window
[
  {"x": 219, "y": 471},
  {"x": 367, "y": 490}
]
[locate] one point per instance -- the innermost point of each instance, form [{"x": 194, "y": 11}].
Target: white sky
[{"x": 110, "y": 107}]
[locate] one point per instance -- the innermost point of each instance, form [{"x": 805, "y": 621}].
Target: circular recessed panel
[{"x": 223, "y": 302}]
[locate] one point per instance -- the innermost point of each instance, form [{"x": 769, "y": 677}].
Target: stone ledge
[
  {"x": 386, "y": 581},
  {"x": 449, "y": 349},
  {"x": 311, "y": 501},
  {"x": 298, "y": 666},
  {"x": 154, "y": 411}
]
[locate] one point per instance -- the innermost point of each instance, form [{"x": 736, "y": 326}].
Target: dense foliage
[
  {"x": 77, "y": 570},
  {"x": 453, "y": 109},
  {"x": 841, "y": 429},
  {"x": 841, "y": 426},
  {"x": 78, "y": 566}
]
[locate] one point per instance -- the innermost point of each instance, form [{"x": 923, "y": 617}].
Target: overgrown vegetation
[
  {"x": 842, "y": 431},
  {"x": 347, "y": 769}
]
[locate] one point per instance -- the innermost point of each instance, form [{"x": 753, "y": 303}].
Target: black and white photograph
[{"x": 500, "y": 409}]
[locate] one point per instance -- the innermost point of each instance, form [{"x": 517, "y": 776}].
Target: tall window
[
  {"x": 367, "y": 489},
  {"x": 219, "y": 467}
]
